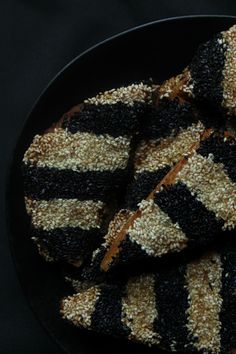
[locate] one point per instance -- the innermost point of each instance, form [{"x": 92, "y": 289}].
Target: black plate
[{"x": 159, "y": 50}]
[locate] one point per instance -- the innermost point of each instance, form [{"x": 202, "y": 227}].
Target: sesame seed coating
[
  {"x": 139, "y": 309},
  {"x": 167, "y": 118},
  {"x": 46, "y": 183},
  {"x": 206, "y": 70},
  {"x": 155, "y": 154},
  {"x": 154, "y": 158},
  {"x": 106, "y": 317},
  {"x": 125, "y": 94},
  {"x": 68, "y": 243},
  {"x": 77, "y": 161},
  {"x": 195, "y": 182},
  {"x": 221, "y": 150},
  {"x": 93, "y": 271},
  {"x": 130, "y": 252},
  {"x": 78, "y": 152},
  {"x": 80, "y": 307},
  {"x": 212, "y": 187},
  {"x": 212, "y": 72},
  {"x": 155, "y": 232},
  {"x": 122, "y": 141},
  {"x": 116, "y": 224},
  {"x": 58, "y": 213},
  {"x": 229, "y": 72},
  {"x": 171, "y": 303},
  {"x": 187, "y": 307},
  {"x": 116, "y": 112},
  {"x": 142, "y": 184},
  {"x": 203, "y": 279},
  {"x": 198, "y": 223},
  {"x": 116, "y": 120},
  {"x": 114, "y": 227}
]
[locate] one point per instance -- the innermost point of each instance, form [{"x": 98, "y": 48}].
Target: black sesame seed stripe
[
  {"x": 143, "y": 183},
  {"x": 130, "y": 251},
  {"x": 46, "y": 183},
  {"x": 206, "y": 71},
  {"x": 228, "y": 292},
  {"x": 92, "y": 271},
  {"x": 68, "y": 243},
  {"x": 198, "y": 224},
  {"x": 167, "y": 119},
  {"x": 106, "y": 317},
  {"x": 117, "y": 119},
  {"x": 223, "y": 151},
  {"x": 171, "y": 303}
]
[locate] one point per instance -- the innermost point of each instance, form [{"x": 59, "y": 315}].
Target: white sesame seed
[
  {"x": 78, "y": 152},
  {"x": 50, "y": 214},
  {"x": 155, "y": 232},
  {"x": 204, "y": 285},
  {"x": 128, "y": 95},
  {"x": 139, "y": 309}
]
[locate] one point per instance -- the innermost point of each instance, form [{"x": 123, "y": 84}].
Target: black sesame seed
[
  {"x": 46, "y": 183},
  {"x": 92, "y": 271},
  {"x": 167, "y": 118},
  {"x": 171, "y": 303},
  {"x": 68, "y": 243},
  {"x": 223, "y": 151},
  {"x": 207, "y": 72},
  {"x": 106, "y": 317},
  {"x": 142, "y": 185},
  {"x": 129, "y": 252},
  {"x": 199, "y": 224},
  {"x": 117, "y": 119}
]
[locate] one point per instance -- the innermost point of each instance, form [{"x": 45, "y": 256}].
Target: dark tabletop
[{"x": 38, "y": 37}]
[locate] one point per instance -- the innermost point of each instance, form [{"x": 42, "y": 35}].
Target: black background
[{"x": 38, "y": 37}]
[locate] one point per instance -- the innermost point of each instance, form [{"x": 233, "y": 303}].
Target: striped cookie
[
  {"x": 173, "y": 126},
  {"x": 210, "y": 77},
  {"x": 72, "y": 170},
  {"x": 186, "y": 308},
  {"x": 194, "y": 204},
  {"x": 153, "y": 161},
  {"x": 154, "y": 158}
]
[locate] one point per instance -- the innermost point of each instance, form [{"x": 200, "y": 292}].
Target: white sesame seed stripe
[
  {"x": 114, "y": 228},
  {"x": 203, "y": 279},
  {"x": 116, "y": 225},
  {"x": 78, "y": 152},
  {"x": 127, "y": 95},
  {"x": 80, "y": 307},
  {"x": 212, "y": 186},
  {"x": 229, "y": 72},
  {"x": 155, "y": 232},
  {"x": 58, "y": 213},
  {"x": 155, "y": 154},
  {"x": 139, "y": 309}
]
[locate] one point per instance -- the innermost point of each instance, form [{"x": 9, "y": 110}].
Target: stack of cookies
[{"x": 135, "y": 188}]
